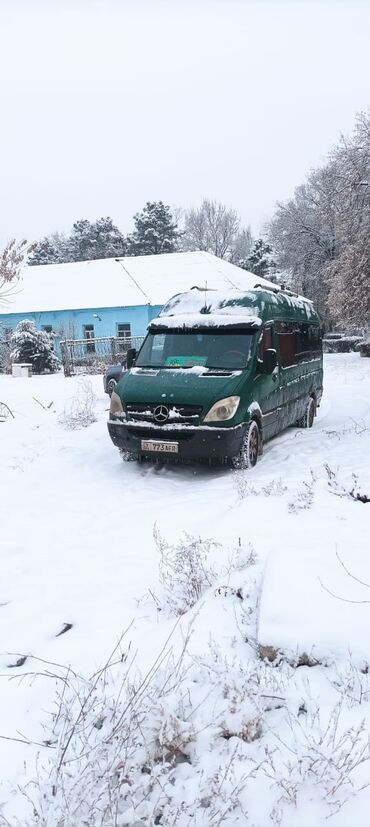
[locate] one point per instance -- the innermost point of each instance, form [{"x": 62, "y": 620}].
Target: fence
[{"x": 94, "y": 355}]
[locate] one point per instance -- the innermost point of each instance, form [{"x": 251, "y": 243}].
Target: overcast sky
[{"x": 106, "y": 104}]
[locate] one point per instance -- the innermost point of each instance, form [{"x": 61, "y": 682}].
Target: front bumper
[{"x": 195, "y": 442}]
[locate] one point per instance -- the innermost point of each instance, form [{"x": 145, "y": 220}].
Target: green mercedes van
[{"x": 218, "y": 374}]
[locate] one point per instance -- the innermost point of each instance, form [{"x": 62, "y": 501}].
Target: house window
[
  {"x": 89, "y": 336},
  {"x": 124, "y": 333}
]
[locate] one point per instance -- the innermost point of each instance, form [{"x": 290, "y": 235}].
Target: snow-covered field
[{"x": 198, "y": 569}]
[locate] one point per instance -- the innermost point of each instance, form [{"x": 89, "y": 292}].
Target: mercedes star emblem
[{"x": 161, "y": 413}]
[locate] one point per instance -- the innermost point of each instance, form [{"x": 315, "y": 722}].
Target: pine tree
[
  {"x": 109, "y": 240},
  {"x": 81, "y": 242},
  {"x": 88, "y": 240},
  {"x": 33, "y": 346},
  {"x": 155, "y": 231},
  {"x": 98, "y": 239},
  {"x": 260, "y": 261},
  {"x": 50, "y": 250}
]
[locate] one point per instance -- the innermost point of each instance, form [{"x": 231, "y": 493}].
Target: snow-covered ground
[{"x": 215, "y": 735}]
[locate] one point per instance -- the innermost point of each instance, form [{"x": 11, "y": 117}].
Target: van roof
[{"x": 216, "y": 307}]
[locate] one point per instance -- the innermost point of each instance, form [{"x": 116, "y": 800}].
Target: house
[{"x": 112, "y": 297}]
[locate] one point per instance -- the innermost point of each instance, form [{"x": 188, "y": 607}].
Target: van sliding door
[
  {"x": 268, "y": 386},
  {"x": 298, "y": 370}
]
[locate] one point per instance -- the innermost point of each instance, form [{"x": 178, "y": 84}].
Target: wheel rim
[{"x": 111, "y": 385}]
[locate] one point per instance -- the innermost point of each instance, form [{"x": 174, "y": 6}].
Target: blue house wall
[{"x": 70, "y": 324}]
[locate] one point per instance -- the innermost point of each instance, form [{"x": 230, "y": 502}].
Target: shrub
[
  {"x": 184, "y": 571},
  {"x": 34, "y": 346},
  {"x": 80, "y": 410}
]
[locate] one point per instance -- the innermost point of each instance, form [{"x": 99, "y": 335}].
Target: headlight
[
  {"x": 223, "y": 409},
  {"x": 116, "y": 408}
]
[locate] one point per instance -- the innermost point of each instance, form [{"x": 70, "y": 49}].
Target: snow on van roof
[
  {"x": 244, "y": 303},
  {"x": 210, "y": 302},
  {"x": 201, "y": 320},
  {"x": 123, "y": 282}
]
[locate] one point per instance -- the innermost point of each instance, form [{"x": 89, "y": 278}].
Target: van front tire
[
  {"x": 127, "y": 456},
  {"x": 251, "y": 447},
  {"x": 111, "y": 386}
]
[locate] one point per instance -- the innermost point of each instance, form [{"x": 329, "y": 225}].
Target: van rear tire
[
  {"x": 251, "y": 447},
  {"x": 307, "y": 420}
]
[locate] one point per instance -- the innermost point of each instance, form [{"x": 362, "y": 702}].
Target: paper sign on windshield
[{"x": 184, "y": 361}]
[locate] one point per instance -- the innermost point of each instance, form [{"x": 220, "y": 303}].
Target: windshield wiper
[
  {"x": 169, "y": 367},
  {"x": 211, "y": 367}
]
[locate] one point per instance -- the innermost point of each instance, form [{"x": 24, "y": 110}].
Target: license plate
[{"x": 158, "y": 445}]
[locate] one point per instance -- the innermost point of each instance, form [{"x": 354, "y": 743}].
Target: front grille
[{"x": 177, "y": 414}]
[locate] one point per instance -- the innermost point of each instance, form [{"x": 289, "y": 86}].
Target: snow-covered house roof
[{"x": 122, "y": 282}]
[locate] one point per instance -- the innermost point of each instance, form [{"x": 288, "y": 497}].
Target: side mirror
[
  {"x": 269, "y": 360},
  {"x": 130, "y": 358}
]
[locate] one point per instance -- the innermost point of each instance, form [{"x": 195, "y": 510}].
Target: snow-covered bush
[
  {"x": 349, "y": 488},
  {"x": 326, "y": 755},
  {"x": 244, "y": 487},
  {"x": 184, "y": 571},
  {"x": 304, "y": 496},
  {"x": 33, "y": 346},
  {"x": 242, "y": 556},
  {"x": 124, "y": 752},
  {"x": 189, "y": 743},
  {"x": 80, "y": 410}
]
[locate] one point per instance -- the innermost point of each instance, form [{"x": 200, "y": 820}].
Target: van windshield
[{"x": 224, "y": 350}]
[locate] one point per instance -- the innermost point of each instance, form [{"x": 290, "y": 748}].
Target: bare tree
[
  {"x": 349, "y": 277},
  {"x": 321, "y": 235},
  {"x": 241, "y": 247},
  {"x": 302, "y": 233},
  {"x": 212, "y": 227},
  {"x": 11, "y": 260},
  {"x": 348, "y": 274}
]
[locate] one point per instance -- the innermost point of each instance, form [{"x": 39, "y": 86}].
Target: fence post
[
  {"x": 113, "y": 347},
  {"x": 65, "y": 358}
]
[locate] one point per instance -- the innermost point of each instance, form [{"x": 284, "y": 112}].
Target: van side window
[
  {"x": 315, "y": 340},
  {"x": 265, "y": 343},
  {"x": 298, "y": 342},
  {"x": 287, "y": 337}
]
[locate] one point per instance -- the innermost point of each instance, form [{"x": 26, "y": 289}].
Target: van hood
[{"x": 193, "y": 386}]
